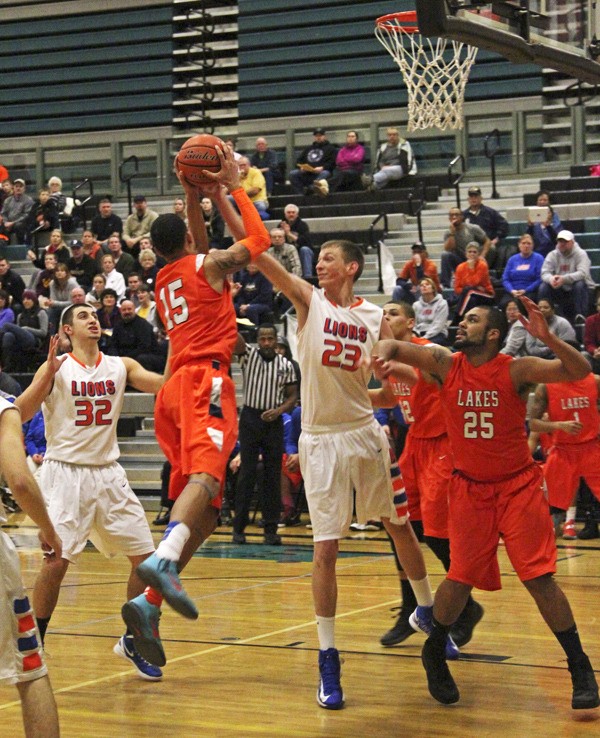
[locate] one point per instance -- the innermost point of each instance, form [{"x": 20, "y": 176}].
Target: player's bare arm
[
  {"x": 30, "y": 401},
  {"x": 539, "y": 424},
  {"x": 388, "y": 355},
  {"x": 141, "y": 378},
  {"x": 196, "y": 225},
  {"x": 294, "y": 288}
]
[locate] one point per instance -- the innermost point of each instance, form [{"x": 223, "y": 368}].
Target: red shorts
[
  {"x": 426, "y": 466},
  {"x": 481, "y": 512},
  {"x": 196, "y": 424},
  {"x": 294, "y": 477},
  {"x": 565, "y": 465}
]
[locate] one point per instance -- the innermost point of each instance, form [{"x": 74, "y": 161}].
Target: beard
[{"x": 463, "y": 342}]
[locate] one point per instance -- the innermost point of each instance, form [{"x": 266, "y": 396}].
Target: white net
[{"x": 435, "y": 72}]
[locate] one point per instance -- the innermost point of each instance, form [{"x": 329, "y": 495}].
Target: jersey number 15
[{"x": 175, "y": 305}]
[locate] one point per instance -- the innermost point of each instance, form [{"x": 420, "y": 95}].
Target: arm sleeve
[{"x": 257, "y": 238}]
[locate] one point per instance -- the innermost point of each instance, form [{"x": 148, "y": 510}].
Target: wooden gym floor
[{"x": 248, "y": 666}]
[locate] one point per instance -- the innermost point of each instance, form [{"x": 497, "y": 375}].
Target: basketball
[{"x": 198, "y": 153}]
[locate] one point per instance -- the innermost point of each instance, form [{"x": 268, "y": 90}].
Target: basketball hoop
[{"x": 434, "y": 72}]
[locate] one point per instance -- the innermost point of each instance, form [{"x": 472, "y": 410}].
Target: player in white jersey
[
  {"x": 342, "y": 447},
  {"x": 86, "y": 490},
  {"x": 21, "y": 658}
]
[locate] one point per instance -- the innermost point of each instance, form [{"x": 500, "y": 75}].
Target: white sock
[
  {"x": 422, "y": 590},
  {"x": 172, "y": 546},
  {"x": 325, "y": 629},
  {"x": 571, "y": 514}
]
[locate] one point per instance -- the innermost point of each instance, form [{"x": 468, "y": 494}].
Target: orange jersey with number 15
[{"x": 199, "y": 320}]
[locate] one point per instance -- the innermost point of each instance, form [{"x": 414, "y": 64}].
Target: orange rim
[{"x": 396, "y": 22}]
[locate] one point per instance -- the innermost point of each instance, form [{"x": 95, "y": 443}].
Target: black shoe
[
  {"x": 400, "y": 631},
  {"x": 589, "y": 531},
  {"x": 238, "y": 538},
  {"x": 442, "y": 686},
  {"x": 272, "y": 539},
  {"x": 462, "y": 630},
  {"x": 291, "y": 521},
  {"x": 585, "y": 687},
  {"x": 162, "y": 519}
]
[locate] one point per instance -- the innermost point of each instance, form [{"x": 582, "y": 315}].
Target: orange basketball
[{"x": 198, "y": 153}]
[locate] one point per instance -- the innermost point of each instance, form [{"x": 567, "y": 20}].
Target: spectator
[
  {"x": 133, "y": 336},
  {"x": 567, "y": 279},
  {"x": 413, "y": 271},
  {"x": 254, "y": 185},
  {"x": 349, "y": 165},
  {"x": 297, "y": 233},
  {"x": 291, "y": 476},
  {"x": 489, "y": 220},
  {"x": 591, "y": 337},
  {"x": 285, "y": 253},
  {"x": 26, "y": 335},
  {"x": 146, "y": 308},
  {"x": 544, "y": 234},
  {"x": 6, "y": 313},
  {"x": 8, "y": 384},
  {"x": 43, "y": 278},
  {"x": 134, "y": 282},
  {"x": 315, "y": 163},
  {"x": 60, "y": 295},
  {"x": 456, "y": 238},
  {"x": 231, "y": 144},
  {"x": 523, "y": 272},
  {"x": 81, "y": 266},
  {"x": 16, "y": 208},
  {"x": 472, "y": 283},
  {"x": 35, "y": 444},
  {"x": 431, "y": 313},
  {"x": 42, "y": 218},
  {"x": 55, "y": 187},
  {"x": 98, "y": 286},
  {"x": 11, "y": 282},
  {"x": 137, "y": 225},
  {"x": 521, "y": 343},
  {"x": 57, "y": 246},
  {"x": 148, "y": 268},
  {"x": 283, "y": 348},
  {"x": 6, "y": 191},
  {"x": 179, "y": 208},
  {"x": 395, "y": 160},
  {"x": 91, "y": 247},
  {"x": 252, "y": 294},
  {"x": 105, "y": 223},
  {"x": 265, "y": 160},
  {"x": 214, "y": 224},
  {"x": 124, "y": 263},
  {"x": 108, "y": 316},
  {"x": 114, "y": 279}
]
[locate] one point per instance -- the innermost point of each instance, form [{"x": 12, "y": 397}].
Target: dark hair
[
  {"x": 108, "y": 291},
  {"x": 496, "y": 320},
  {"x": 543, "y": 192},
  {"x": 266, "y": 327},
  {"x": 350, "y": 252},
  {"x": 168, "y": 234},
  {"x": 66, "y": 317},
  {"x": 4, "y": 296}
]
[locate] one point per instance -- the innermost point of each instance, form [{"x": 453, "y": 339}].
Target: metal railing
[{"x": 371, "y": 242}]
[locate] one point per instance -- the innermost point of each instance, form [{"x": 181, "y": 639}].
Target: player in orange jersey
[
  {"x": 196, "y": 418},
  {"x": 496, "y": 487}
]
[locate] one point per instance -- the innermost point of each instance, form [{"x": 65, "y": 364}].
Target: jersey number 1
[{"x": 175, "y": 305}]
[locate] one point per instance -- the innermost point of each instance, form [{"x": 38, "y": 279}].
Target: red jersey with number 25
[
  {"x": 200, "y": 321},
  {"x": 485, "y": 419},
  {"x": 574, "y": 401}
]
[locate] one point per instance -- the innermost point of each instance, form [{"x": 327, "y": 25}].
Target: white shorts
[
  {"x": 95, "y": 503},
  {"x": 333, "y": 464},
  {"x": 21, "y": 657}
]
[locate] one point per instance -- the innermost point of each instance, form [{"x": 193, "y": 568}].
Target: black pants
[{"x": 258, "y": 437}]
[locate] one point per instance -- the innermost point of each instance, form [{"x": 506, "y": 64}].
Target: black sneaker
[
  {"x": 272, "y": 539},
  {"x": 462, "y": 630},
  {"x": 442, "y": 686},
  {"x": 589, "y": 531},
  {"x": 585, "y": 687},
  {"x": 400, "y": 631},
  {"x": 238, "y": 538}
]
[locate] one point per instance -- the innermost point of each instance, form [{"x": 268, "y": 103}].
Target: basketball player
[
  {"x": 196, "y": 418},
  {"x": 86, "y": 490},
  {"x": 342, "y": 446},
  {"x": 21, "y": 658},
  {"x": 496, "y": 488},
  {"x": 574, "y": 421},
  {"x": 426, "y": 466}
]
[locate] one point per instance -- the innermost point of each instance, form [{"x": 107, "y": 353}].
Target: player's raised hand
[
  {"x": 229, "y": 174},
  {"x": 190, "y": 189},
  {"x": 534, "y": 323},
  {"x": 57, "y": 342}
]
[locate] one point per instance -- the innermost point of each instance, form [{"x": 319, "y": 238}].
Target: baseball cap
[
  {"x": 418, "y": 246},
  {"x": 565, "y": 236},
  {"x": 76, "y": 244},
  {"x": 19, "y": 181},
  {"x": 318, "y": 131},
  {"x": 139, "y": 198},
  {"x": 474, "y": 190}
]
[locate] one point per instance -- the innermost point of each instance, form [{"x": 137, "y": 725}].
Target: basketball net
[{"x": 435, "y": 72}]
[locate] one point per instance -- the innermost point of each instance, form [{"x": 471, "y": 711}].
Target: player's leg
[
  {"x": 46, "y": 591},
  {"x": 40, "y": 716}
]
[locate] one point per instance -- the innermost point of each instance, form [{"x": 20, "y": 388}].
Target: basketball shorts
[
  {"x": 196, "y": 424},
  {"x": 565, "y": 465},
  {"x": 335, "y": 463},
  {"x": 95, "y": 503},
  {"x": 426, "y": 466},
  {"x": 481, "y": 512},
  {"x": 21, "y": 658},
  {"x": 295, "y": 477}
]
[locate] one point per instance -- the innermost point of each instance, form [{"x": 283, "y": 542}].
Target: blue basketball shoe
[
  {"x": 422, "y": 620},
  {"x": 162, "y": 574},
  {"x": 329, "y": 694},
  {"x": 142, "y": 619},
  {"x": 126, "y": 650}
]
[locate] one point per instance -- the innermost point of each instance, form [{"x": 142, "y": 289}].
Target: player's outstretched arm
[
  {"x": 141, "y": 378},
  {"x": 218, "y": 194},
  {"x": 196, "y": 225},
  {"x": 29, "y": 402},
  {"x": 389, "y": 355}
]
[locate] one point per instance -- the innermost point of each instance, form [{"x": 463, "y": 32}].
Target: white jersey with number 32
[
  {"x": 82, "y": 410},
  {"x": 331, "y": 347}
]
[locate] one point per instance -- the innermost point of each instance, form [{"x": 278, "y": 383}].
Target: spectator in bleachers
[
  {"x": 297, "y": 233},
  {"x": 488, "y": 219},
  {"x": 395, "y": 160},
  {"x": 137, "y": 225},
  {"x": 349, "y": 165},
  {"x": 265, "y": 160},
  {"x": 91, "y": 247},
  {"x": 55, "y": 187},
  {"x": 511, "y": 310},
  {"x": 285, "y": 253},
  {"x": 316, "y": 162},
  {"x": 472, "y": 283},
  {"x": 254, "y": 185},
  {"x": 567, "y": 279},
  {"x": 114, "y": 279},
  {"x": 105, "y": 223},
  {"x": 8, "y": 384},
  {"x": 57, "y": 246},
  {"x": 124, "y": 263},
  {"x": 591, "y": 337},
  {"x": 26, "y": 335},
  {"x": 214, "y": 223},
  {"x": 520, "y": 342},
  {"x": 93, "y": 297},
  {"x": 134, "y": 337},
  {"x": 108, "y": 316},
  {"x": 81, "y": 266},
  {"x": 43, "y": 278},
  {"x": 6, "y": 190},
  {"x": 43, "y": 217},
  {"x": 252, "y": 294},
  {"x": 12, "y": 282},
  {"x": 148, "y": 268},
  {"x": 6, "y": 313},
  {"x": 60, "y": 295},
  {"x": 146, "y": 308},
  {"x": 523, "y": 272},
  {"x": 456, "y": 238},
  {"x": 431, "y": 313},
  {"x": 134, "y": 282},
  {"x": 411, "y": 274},
  {"x": 179, "y": 208},
  {"x": 16, "y": 208},
  {"x": 77, "y": 296},
  {"x": 544, "y": 234},
  {"x": 35, "y": 444},
  {"x": 231, "y": 144}
]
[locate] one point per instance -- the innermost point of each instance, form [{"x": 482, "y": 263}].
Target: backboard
[{"x": 559, "y": 34}]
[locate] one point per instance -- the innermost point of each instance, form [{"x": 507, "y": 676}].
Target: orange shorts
[
  {"x": 565, "y": 465},
  {"x": 294, "y": 477},
  {"x": 196, "y": 424},
  {"x": 481, "y": 512},
  {"x": 426, "y": 466}
]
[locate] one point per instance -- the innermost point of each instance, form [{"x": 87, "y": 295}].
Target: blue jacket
[
  {"x": 35, "y": 438},
  {"x": 523, "y": 274},
  {"x": 291, "y": 430}
]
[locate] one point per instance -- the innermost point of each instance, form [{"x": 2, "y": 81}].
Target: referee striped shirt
[{"x": 265, "y": 381}]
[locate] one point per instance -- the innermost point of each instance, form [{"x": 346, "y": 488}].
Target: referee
[{"x": 270, "y": 389}]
